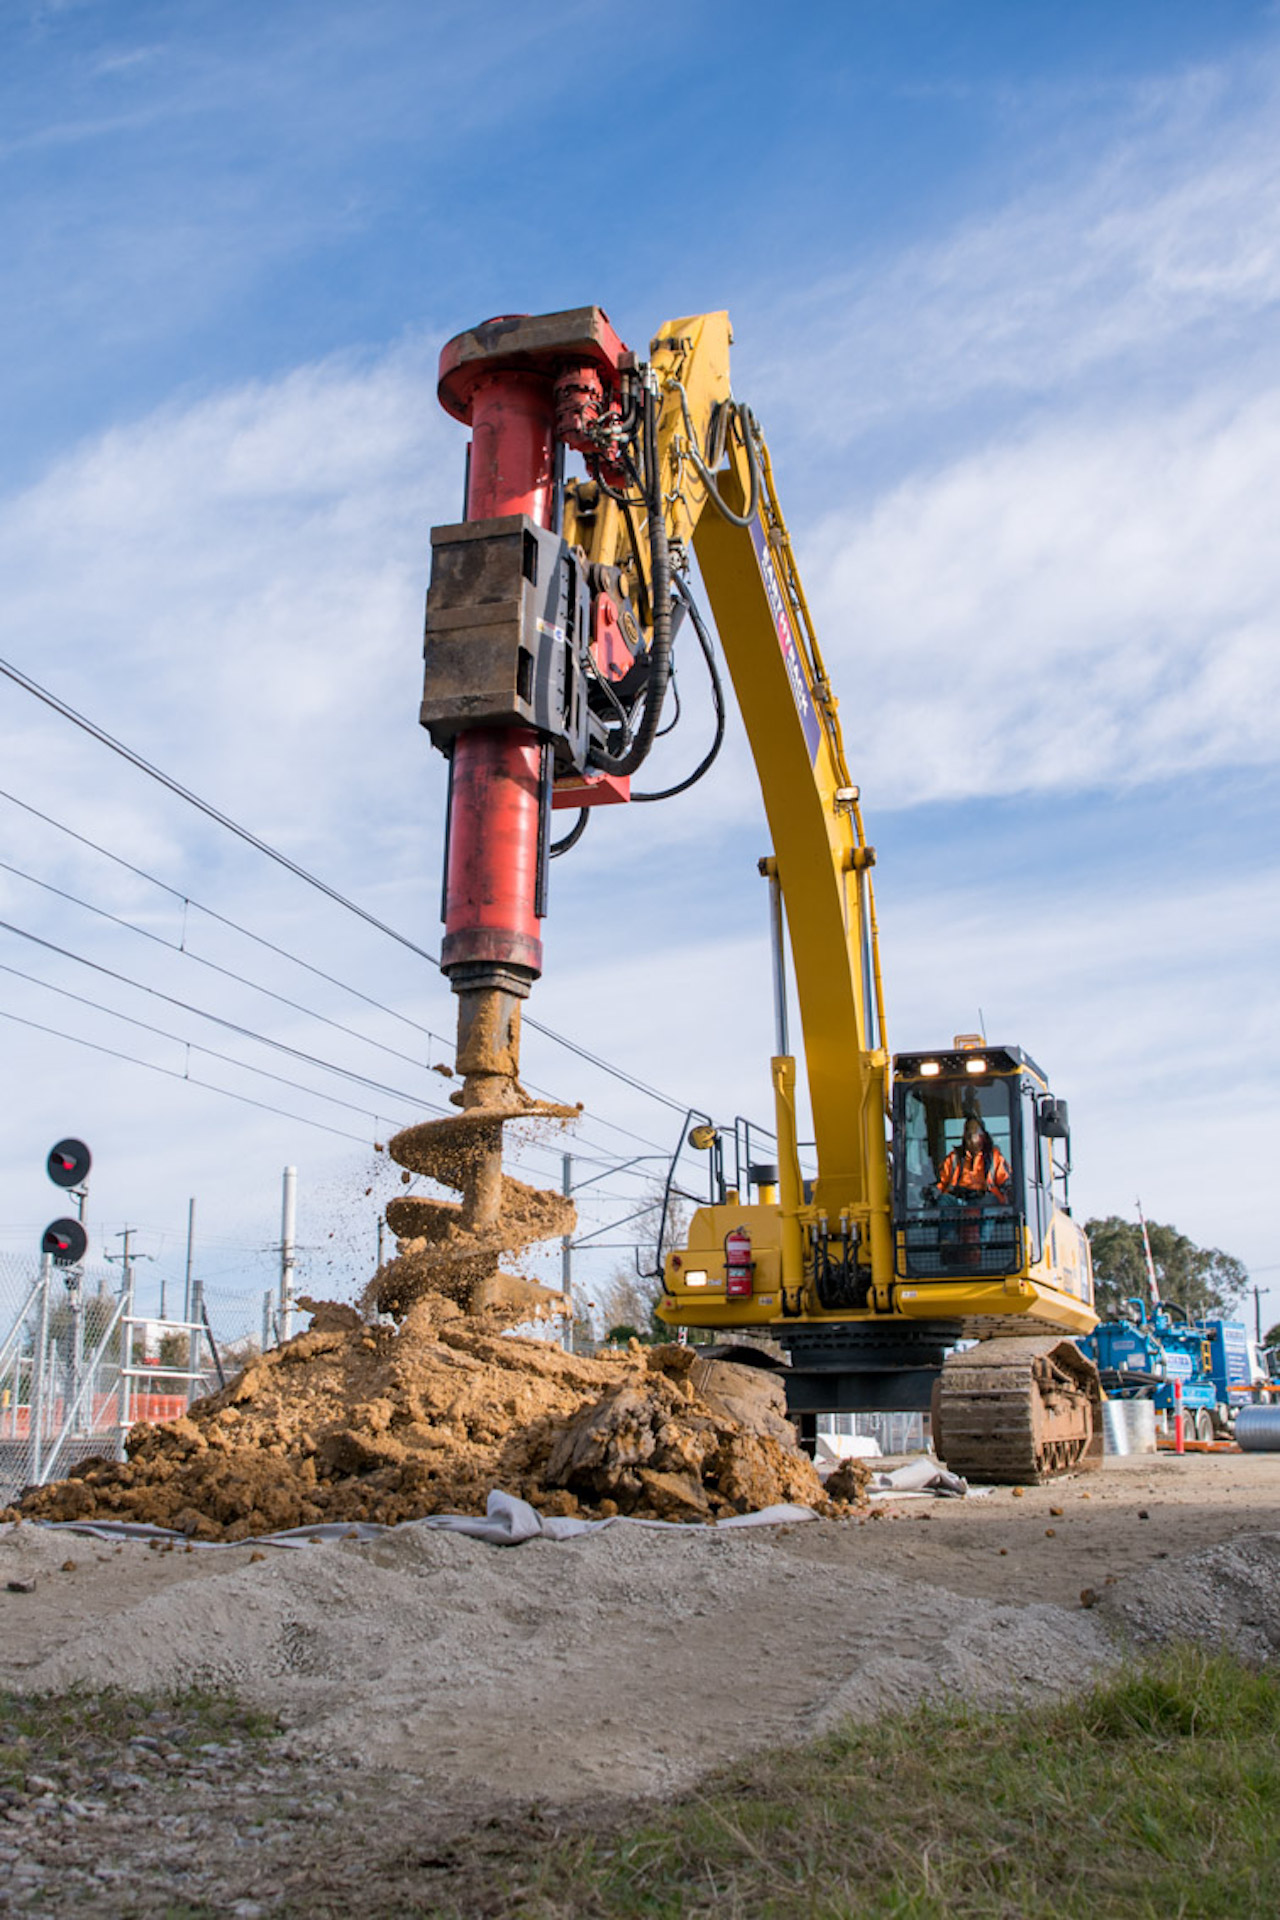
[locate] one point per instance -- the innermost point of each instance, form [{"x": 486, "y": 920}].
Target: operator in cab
[{"x": 976, "y": 1170}]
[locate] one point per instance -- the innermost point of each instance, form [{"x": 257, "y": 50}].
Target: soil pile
[{"x": 354, "y": 1421}]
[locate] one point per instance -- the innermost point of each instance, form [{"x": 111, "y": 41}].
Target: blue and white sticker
[{"x": 800, "y": 690}]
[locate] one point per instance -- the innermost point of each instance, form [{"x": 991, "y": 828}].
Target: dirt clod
[{"x": 849, "y": 1482}]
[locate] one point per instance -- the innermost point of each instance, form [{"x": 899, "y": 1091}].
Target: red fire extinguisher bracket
[{"x": 739, "y": 1265}]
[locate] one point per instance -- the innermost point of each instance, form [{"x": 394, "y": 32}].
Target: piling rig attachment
[{"x": 545, "y": 675}]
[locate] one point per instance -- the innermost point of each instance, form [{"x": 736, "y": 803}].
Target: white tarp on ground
[
  {"x": 508, "y": 1521},
  {"x": 921, "y": 1476}
]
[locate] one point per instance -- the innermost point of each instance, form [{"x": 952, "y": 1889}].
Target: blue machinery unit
[{"x": 1141, "y": 1358}]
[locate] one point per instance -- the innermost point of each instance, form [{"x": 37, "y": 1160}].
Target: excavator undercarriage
[{"x": 1018, "y": 1410}]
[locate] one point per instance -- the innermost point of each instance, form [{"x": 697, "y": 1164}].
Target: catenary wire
[
  {"x": 212, "y": 1053},
  {"x": 264, "y": 847},
  {"x": 171, "y": 1073},
  {"x": 284, "y": 953},
  {"x": 219, "y": 1020},
  {"x": 194, "y": 1046},
  {"x": 214, "y": 966},
  {"x": 188, "y": 900},
  {"x": 413, "y": 1100}
]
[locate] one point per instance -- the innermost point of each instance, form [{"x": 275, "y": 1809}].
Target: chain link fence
[
  {"x": 80, "y": 1363},
  {"x": 894, "y": 1433}
]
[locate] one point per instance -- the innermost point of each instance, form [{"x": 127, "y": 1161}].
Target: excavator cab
[{"x": 981, "y": 1161}]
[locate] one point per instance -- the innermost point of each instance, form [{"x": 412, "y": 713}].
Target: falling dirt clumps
[{"x": 358, "y": 1421}]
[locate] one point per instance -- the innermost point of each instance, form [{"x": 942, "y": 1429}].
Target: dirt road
[{"x": 424, "y": 1676}]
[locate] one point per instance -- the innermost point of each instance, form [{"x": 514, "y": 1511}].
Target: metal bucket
[
  {"x": 1258, "y": 1429},
  {"x": 1128, "y": 1426}
]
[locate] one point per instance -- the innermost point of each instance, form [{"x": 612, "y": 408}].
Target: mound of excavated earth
[{"x": 352, "y": 1421}]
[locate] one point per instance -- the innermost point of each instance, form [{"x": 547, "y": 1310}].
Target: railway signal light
[
  {"x": 68, "y": 1164},
  {"x": 67, "y": 1241}
]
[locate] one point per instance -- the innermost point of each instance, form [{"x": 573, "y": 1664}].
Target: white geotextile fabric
[
  {"x": 923, "y": 1475},
  {"x": 506, "y": 1523},
  {"x": 509, "y": 1521}
]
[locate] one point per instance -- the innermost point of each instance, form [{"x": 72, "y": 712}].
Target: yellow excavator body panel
[{"x": 1052, "y": 1294}]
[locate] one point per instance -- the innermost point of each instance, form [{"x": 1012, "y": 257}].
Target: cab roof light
[
  {"x": 930, "y": 1068},
  {"x": 975, "y": 1066}
]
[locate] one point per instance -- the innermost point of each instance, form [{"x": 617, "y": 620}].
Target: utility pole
[
  {"x": 1146, "y": 1248},
  {"x": 126, "y": 1259},
  {"x": 191, "y": 1234},
  {"x": 37, "y": 1413},
  {"x": 1257, "y": 1311},
  {"x": 288, "y": 1234},
  {"x": 566, "y": 1252}
]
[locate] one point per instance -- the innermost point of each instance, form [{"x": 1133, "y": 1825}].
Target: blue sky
[{"x": 1003, "y": 279}]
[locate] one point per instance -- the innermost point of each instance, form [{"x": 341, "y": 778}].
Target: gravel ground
[{"x": 432, "y": 1693}]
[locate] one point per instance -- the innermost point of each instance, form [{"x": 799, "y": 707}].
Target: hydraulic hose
[
  {"x": 660, "y": 575},
  {"x": 573, "y": 836},
  {"x": 717, "y": 695},
  {"x": 745, "y": 425}
]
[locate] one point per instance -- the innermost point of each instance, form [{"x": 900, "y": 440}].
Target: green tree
[
  {"x": 1201, "y": 1279},
  {"x": 174, "y": 1350}
]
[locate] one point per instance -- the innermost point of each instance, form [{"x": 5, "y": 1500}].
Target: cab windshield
[{"x": 957, "y": 1193}]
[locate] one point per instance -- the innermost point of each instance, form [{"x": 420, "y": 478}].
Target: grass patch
[
  {"x": 1155, "y": 1796},
  {"x": 72, "y": 1734}
]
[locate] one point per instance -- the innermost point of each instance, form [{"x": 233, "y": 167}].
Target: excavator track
[{"x": 1018, "y": 1410}]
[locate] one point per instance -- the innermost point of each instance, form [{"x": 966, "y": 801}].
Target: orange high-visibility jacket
[{"x": 979, "y": 1172}]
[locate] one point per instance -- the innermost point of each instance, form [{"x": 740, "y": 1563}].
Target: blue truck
[{"x": 1142, "y": 1355}]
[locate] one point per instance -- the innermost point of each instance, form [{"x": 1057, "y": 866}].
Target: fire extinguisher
[{"x": 738, "y": 1264}]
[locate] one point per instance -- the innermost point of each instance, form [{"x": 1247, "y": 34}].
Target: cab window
[{"x": 933, "y": 1122}]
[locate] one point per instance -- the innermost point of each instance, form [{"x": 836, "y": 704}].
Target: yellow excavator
[{"x": 929, "y": 1258}]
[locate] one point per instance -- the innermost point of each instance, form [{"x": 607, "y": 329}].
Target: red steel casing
[
  {"x": 494, "y": 825},
  {"x": 495, "y": 808},
  {"x": 501, "y": 379}
]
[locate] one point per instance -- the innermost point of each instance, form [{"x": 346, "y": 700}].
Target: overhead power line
[
  {"x": 194, "y": 1046},
  {"x": 171, "y": 1073},
  {"x": 214, "y": 966},
  {"x": 269, "y": 852},
  {"x": 413, "y": 1100},
  {"x": 218, "y": 1020},
  {"x": 188, "y": 900}
]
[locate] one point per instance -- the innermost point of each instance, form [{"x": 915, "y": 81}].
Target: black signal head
[
  {"x": 67, "y": 1241},
  {"x": 68, "y": 1163}
]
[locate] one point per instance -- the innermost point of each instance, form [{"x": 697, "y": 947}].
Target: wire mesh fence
[
  {"x": 80, "y": 1365},
  {"x": 894, "y": 1432}
]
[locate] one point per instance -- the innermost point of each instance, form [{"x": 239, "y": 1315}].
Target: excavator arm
[{"x": 720, "y": 502}]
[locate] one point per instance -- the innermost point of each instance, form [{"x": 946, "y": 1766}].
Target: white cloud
[
  {"x": 1091, "y": 604},
  {"x": 1135, "y": 256},
  {"x": 1153, "y": 1013},
  {"x": 235, "y": 589}
]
